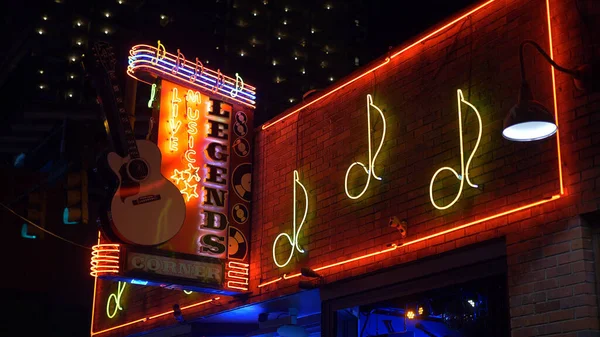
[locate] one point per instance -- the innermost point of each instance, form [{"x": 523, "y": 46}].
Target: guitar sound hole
[{"x": 138, "y": 169}]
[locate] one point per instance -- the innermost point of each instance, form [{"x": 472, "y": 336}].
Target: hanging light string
[{"x": 43, "y": 229}]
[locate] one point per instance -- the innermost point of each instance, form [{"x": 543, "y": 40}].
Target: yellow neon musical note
[
  {"x": 464, "y": 170},
  {"x": 293, "y": 240},
  {"x": 159, "y": 47},
  {"x": 370, "y": 171},
  {"x": 219, "y": 81},
  {"x": 117, "y": 299},
  {"x": 238, "y": 87}
]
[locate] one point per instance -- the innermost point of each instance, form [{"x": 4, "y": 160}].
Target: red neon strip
[
  {"x": 268, "y": 125},
  {"x": 441, "y": 29},
  {"x": 148, "y": 318},
  {"x": 386, "y": 61},
  {"x": 560, "y": 172},
  {"x": 394, "y": 246}
]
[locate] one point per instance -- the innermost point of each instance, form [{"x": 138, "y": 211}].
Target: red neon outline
[
  {"x": 394, "y": 246},
  {"x": 386, "y": 61}
]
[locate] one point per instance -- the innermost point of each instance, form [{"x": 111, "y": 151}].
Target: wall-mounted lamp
[
  {"x": 529, "y": 120},
  {"x": 317, "y": 279}
]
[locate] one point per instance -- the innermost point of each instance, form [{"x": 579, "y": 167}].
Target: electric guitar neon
[{"x": 147, "y": 209}]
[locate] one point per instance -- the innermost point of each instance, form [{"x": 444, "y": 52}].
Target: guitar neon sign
[
  {"x": 293, "y": 239},
  {"x": 370, "y": 170},
  {"x": 464, "y": 169}
]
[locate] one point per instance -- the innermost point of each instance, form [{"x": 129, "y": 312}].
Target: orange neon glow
[
  {"x": 408, "y": 243},
  {"x": 105, "y": 259},
  {"x": 543, "y": 201},
  {"x": 238, "y": 274},
  {"x": 386, "y": 61},
  {"x": 146, "y": 58},
  {"x": 149, "y": 318},
  {"x": 560, "y": 173}
]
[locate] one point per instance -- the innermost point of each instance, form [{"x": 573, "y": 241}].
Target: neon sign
[
  {"x": 464, "y": 169},
  {"x": 293, "y": 240},
  {"x": 115, "y": 297},
  {"x": 158, "y": 62},
  {"x": 370, "y": 170}
]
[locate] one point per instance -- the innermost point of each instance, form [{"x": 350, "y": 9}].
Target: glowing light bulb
[
  {"x": 78, "y": 23},
  {"x": 40, "y": 31},
  {"x": 73, "y": 59},
  {"x": 291, "y": 100},
  {"x": 279, "y": 38},
  {"x": 107, "y": 14},
  {"x": 162, "y": 16},
  {"x": 274, "y": 63},
  {"x": 45, "y": 18},
  {"x": 312, "y": 30},
  {"x": 286, "y": 9},
  {"x": 255, "y": 13},
  {"x": 79, "y": 42},
  {"x": 106, "y": 31},
  {"x": 303, "y": 71},
  {"x": 285, "y": 22},
  {"x": 296, "y": 58},
  {"x": 420, "y": 310},
  {"x": 70, "y": 95},
  {"x": 410, "y": 314},
  {"x": 42, "y": 86},
  {"x": 242, "y": 53},
  {"x": 72, "y": 76},
  {"x": 41, "y": 71},
  {"x": 120, "y": 2},
  {"x": 330, "y": 79}
]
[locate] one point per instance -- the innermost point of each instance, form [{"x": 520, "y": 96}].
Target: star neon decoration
[
  {"x": 189, "y": 191},
  {"x": 192, "y": 172},
  {"x": 178, "y": 176}
]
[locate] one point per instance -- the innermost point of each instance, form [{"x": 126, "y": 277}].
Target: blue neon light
[
  {"x": 24, "y": 233},
  {"x": 150, "y": 58},
  {"x": 66, "y": 217},
  {"x": 140, "y": 56},
  {"x": 140, "y": 282}
]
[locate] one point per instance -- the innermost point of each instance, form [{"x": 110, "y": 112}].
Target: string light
[
  {"x": 79, "y": 23},
  {"x": 162, "y": 16},
  {"x": 287, "y": 9},
  {"x": 72, "y": 76},
  {"x": 106, "y": 31},
  {"x": 42, "y": 87},
  {"x": 78, "y": 42},
  {"x": 40, "y": 31},
  {"x": 107, "y": 14},
  {"x": 41, "y": 71},
  {"x": 45, "y": 18},
  {"x": 330, "y": 79},
  {"x": 274, "y": 63},
  {"x": 255, "y": 13},
  {"x": 73, "y": 59},
  {"x": 70, "y": 95}
]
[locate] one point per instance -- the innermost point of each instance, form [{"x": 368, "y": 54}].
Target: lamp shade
[{"x": 528, "y": 120}]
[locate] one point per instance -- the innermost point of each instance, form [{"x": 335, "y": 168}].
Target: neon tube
[
  {"x": 386, "y": 61},
  {"x": 464, "y": 170},
  {"x": 149, "y": 59},
  {"x": 151, "y": 317},
  {"x": 408, "y": 243},
  {"x": 371, "y": 170},
  {"x": 560, "y": 172},
  {"x": 293, "y": 240}
]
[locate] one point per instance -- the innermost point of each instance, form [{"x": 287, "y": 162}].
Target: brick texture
[{"x": 549, "y": 254}]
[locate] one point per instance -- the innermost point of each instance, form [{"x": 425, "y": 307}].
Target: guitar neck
[
  {"x": 113, "y": 96},
  {"x": 130, "y": 142}
]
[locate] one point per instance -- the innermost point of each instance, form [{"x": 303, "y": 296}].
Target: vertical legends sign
[
  {"x": 214, "y": 223},
  {"x": 194, "y": 139}
]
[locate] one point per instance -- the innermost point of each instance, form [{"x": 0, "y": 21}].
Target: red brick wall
[{"x": 551, "y": 274}]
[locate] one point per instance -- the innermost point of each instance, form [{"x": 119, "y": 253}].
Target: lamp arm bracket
[{"x": 546, "y": 56}]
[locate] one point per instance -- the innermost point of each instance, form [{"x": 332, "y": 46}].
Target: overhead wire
[{"x": 43, "y": 229}]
